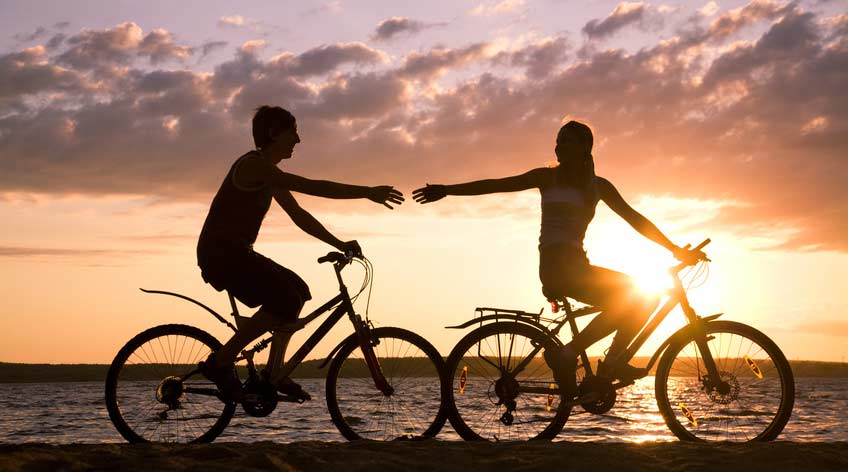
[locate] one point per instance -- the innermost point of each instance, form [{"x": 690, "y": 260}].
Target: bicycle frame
[
  {"x": 342, "y": 304},
  {"x": 677, "y": 295}
]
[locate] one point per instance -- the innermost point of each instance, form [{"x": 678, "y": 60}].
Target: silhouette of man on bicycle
[{"x": 225, "y": 252}]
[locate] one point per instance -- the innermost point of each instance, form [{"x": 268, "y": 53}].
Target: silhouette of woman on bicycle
[
  {"x": 570, "y": 192},
  {"x": 225, "y": 249}
]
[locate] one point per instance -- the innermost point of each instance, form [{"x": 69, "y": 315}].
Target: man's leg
[{"x": 250, "y": 329}]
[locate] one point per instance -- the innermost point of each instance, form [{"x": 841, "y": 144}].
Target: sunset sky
[{"x": 719, "y": 119}]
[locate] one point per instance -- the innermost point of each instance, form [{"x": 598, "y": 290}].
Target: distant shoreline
[{"x": 41, "y": 373}]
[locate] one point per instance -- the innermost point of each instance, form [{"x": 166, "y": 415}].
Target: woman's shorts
[
  {"x": 256, "y": 280},
  {"x": 566, "y": 272}
]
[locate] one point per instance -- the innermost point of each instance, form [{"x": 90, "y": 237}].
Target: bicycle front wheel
[
  {"x": 752, "y": 399},
  {"x": 151, "y": 398},
  {"x": 499, "y": 387},
  {"x": 412, "y": 367}
]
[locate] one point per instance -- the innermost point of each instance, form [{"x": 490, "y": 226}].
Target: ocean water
[{"x": 64, "y": 413}]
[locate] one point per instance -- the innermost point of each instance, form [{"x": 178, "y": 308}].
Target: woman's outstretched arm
[
  {"x": 532, "y": 179},
  {"x": 609, "y": 194}
]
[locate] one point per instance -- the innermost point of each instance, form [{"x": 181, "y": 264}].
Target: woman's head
[
  {"x": 574, "y": 153},
  {"x": 574, "y": 143},
  {"x": 275, "y": 132}
]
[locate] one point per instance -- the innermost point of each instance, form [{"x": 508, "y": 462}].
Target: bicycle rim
[
  {"x": 483, "y": 384},
  {"x": 413, "y": 409},
  {"x": 147, "y": 401},
  {"x": 757, "y": 387}
]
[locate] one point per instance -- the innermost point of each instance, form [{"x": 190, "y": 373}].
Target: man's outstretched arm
[{"x": 259, "y": 170}]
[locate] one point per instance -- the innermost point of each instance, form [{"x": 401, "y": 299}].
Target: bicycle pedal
[
  {"x": 619, "y": 385},
  {"x": 291, "y": 398},
  {"x": 589, "y": 397}
]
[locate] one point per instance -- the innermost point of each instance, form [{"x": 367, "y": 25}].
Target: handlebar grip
[
  {"x": 701, "y": 246},
  {"x": 331, "y": 257}
]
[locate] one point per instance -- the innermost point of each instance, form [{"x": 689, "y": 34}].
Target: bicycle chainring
[
  {"x": 260, "y": 397},
  {"x": 602, "y": 387}
]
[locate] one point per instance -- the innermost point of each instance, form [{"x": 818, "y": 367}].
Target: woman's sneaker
[
  {"x": 292, "y": 391},
  {"x": 224, "y": 377},
  {"x": 625, "y": 373}
]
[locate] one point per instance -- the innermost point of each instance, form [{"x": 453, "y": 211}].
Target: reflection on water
[{"x": 62, "y": 413}]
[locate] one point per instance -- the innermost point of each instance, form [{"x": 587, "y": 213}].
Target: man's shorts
[{"x": 257, "y": 280}]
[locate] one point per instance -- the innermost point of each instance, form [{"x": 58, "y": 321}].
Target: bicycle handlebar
[{"x": 338, "y": 257}]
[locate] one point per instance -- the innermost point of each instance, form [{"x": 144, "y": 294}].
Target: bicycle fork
[{"x": 367, "y": 343}]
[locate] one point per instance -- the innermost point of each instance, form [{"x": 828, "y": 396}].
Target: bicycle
[
  {"x": 378, "y": 386},
  {"x": 716, "y": 380}
]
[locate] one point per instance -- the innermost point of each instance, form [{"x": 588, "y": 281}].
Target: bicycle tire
[
  {"x": 760, "y": 388},
  {"x": 410, "y": 364},
  {"x": 466, "y": 400},
  {"x": 133, "y": 388}
]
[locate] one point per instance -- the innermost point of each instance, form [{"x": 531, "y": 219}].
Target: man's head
[{"x": 275, "y": 132}]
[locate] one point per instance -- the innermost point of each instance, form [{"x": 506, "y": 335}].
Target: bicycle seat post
[{"x": 239, "y": 319}]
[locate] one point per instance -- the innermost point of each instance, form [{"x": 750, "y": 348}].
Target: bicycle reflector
[
  {"x": 688, "y": 414},
  {"x": 550, "y": 404},
  {"x": 753, "y": 366},
  {"x": 463, "y": 379}
]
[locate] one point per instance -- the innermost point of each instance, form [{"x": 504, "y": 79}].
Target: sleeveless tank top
[
  {"x": 234, "y": 218},
  {"x": 565, "y": 216}
]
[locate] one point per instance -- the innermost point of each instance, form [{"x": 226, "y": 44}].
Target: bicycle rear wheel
[
  {"x": 412, "y": 367},
  {"x": 149, "y": 397},
  {"x": 752, "y": 400},
  {"x": 492, "y": 396}
]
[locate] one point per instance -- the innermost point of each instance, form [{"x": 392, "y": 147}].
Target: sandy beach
[{"x": 429, "y": 455}]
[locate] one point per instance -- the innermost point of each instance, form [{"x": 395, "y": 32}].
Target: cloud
[
  {"x": 39, "y": 33},
  {"x": 624, "y": 14},
  {"x": 240, "y": 22},
  {"x": 427, "y": 66},
  {"x": 697, "y": 116},
  {"x": 118, "y": 46},
  {"x": 209, "y": 47},
  {"x": 734, "y": 20},
  {"x": 334, "y": 7},
  {"x": 159, "y": 46},
  {"x": 324, "y": 59},
  {"x": 499, "y": 8},
  {"x": 389, "y": 28},
  {"x": 709, "y": 9},
  {"x": 29, "y": 73},
  {"x": 539, "y": 59}
]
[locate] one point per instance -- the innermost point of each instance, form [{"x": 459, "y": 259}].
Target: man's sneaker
[
  {"x": 224, "y": 377},
  {"x": 563, "y": 363},
  {"x": 624, "y": 373},
  {"x": 293, "y": 390}
]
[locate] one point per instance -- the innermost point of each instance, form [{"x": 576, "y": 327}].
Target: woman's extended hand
[
  {"x": 430, "y": 193},
  {"x": 385, "y": 194},
  {"x": 688, "y": 256}
]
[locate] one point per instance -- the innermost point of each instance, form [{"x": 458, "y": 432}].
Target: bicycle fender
[
  {"x": 332, "y": 354},
  {"x": 201, "y": 305},
  {"x": 507, "y": 317},
  {"x": 680, "y": 334}
]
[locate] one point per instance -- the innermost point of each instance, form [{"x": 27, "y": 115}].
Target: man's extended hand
[
  {"x": 385, "y": 194},
  {"x": 430, "y": 193}
]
